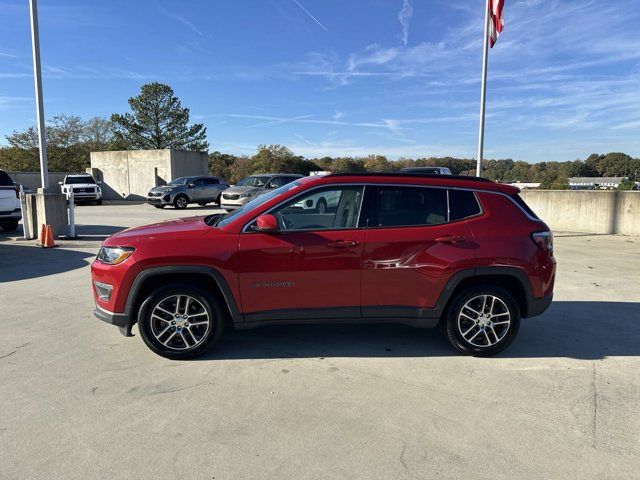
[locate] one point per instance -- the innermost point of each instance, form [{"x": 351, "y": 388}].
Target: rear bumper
[
  {"x": 15, "y": 214},
  {"x": 537, "y": 306}
]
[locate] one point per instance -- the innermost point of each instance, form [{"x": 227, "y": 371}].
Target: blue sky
[{"x": 343, "y": 77}]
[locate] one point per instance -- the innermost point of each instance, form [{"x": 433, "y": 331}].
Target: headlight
[
  {"x": 114, "y": 255},
  {"x": 246, "y": 195}
]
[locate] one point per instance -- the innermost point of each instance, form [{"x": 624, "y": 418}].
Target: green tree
[
  {"x": 158, "y": 120},
  {"x": 627, "y": 184}
]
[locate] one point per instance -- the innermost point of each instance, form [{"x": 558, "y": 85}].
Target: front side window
[
  {"x": 254, "y": 181},
  {"x": 326, "y": 209},
  {"x": 181, "y": 181},
  {"x": 211, "y": 181}
]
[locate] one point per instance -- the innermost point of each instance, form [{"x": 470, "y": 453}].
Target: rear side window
[
  {"x": 5, "y": 179},
  {"x": 407, "y": 206},
  {"x": 462, "y": 204},
  {"x": 522, "y": 204},
  {"x": 211, "y": 181}
]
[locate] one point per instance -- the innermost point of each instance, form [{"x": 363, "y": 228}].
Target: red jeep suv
[{"x": 417, "y": 249}]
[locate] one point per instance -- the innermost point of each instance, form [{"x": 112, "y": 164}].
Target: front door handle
[
  {"x": 450, "y": 239},
  {"x": 343, "y": 244}
]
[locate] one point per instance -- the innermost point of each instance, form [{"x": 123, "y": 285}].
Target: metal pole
[
  {"x": 35, "y": 45},
  {"x": 72, "y": 215},
  {"x": 483, "y": 92},
  {"x": 26, "y": 225}
]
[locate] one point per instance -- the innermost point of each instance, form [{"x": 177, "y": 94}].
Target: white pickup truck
[{"x": 10, "y": 213}]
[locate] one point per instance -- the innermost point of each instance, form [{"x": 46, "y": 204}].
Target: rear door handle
[
  {"x": 343, "y": 244},
  {"x": 450, "y": 239}
]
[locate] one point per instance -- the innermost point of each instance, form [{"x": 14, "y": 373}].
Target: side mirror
[
  {"x": 191, "y": 185},
  {"x": 60, "y": 183},
  {"x": 266, "y": 223},
  {"x": 99, "y": 182}
]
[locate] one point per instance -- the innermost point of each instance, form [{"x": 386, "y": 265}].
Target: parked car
[
  {"x": 185, "y": 190},
  {"x": 10, "y": 213},
  {"x": 464, "y": 252},
  {"x": 85, "y": 188},
  {"x": 251, "y": 187},
  {"x": 431, "y": 170}
]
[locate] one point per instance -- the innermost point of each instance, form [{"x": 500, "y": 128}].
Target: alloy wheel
[
  {"x": 484, "y": 320},
  {"x": 180, "y": 322}
]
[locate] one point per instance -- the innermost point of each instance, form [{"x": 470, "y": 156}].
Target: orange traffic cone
[
  {"x": 43, "y": 234},
  {"x": 48, "y": 239}
]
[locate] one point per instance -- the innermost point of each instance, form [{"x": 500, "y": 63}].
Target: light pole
[{"x": 35, "y": 46}]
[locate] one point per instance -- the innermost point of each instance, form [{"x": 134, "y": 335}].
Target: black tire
[
  {"x": 203, "y": 204},
  {"x": 206, "y": 300},
  {"x": 493, "y": 336},
  {"x": 99, "y": 202},
  {"x": 180, "y": 202},
  {"x": 10, "y": 226},
  {"x": 159, "y": 206},
  {"x": 219, "y": 199},
  {"x": 321, "y": 206}
]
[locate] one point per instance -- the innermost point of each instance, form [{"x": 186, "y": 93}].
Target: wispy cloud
[
  {"x": 7, "y": 55},
  {"x": 406, "y": 12},
  {"x": 182, "y": 20},
  {"x": 311, "y": 16}
]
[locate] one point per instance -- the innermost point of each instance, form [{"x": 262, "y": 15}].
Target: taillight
[
  {"x": 543, "y": 240},
  {"x": 17, "y": 191}
]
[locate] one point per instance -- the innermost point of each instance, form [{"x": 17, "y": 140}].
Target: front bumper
[
  {"x": 165, "y": 199},
  {"x": 120, "y": 320}
]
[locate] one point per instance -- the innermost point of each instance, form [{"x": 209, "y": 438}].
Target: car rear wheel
[
  {"x": 180, "y": 202},
  {"x": 180, "y": 321},
  {"x": 203, "y": 204},
  {"x": 482, "y": 321},
  {"x": 10, "y": 226}
]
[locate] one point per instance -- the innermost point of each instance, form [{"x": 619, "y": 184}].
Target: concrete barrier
[{"x": 589, "y": 211}]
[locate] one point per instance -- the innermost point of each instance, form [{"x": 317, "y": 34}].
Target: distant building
[
  {"x": 526, "y": 185},
  {"x": 130, "y": 174},
  {"x": 595, "y": 183}
]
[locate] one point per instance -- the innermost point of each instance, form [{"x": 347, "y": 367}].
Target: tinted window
[
  {"x": 253, "y": 181},
  {"x": 78, "y": 180},
  {"x": 407, "y": 206},
  {"x": 462, "y": 204},
  {"x": 518, "y": 199},
  {"x": 199, "y": 182},
  {"x": 331, "y": 208},
  {"x": 5, "y": 179},
  {"x": 211, "y": 181}
]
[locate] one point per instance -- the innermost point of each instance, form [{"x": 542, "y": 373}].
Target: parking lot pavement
[{"x": 78, "y": 400}]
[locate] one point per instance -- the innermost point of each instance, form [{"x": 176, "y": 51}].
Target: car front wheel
[
  {"x": 180, "y": 321},
  {"x": 181, "y": 202},
  {"x": 482, "y": 321},
  {"x": 10, "y": 226}
]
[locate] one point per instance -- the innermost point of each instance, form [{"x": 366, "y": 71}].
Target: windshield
[
  {"x": 258, "y": 181},
  {"x": 255, "y": 203},
  {"x": 181, "y": 181},
  {"x": 76, "y": 180}
]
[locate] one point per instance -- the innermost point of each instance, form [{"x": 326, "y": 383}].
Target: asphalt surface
[{"x": 78, "y": 400}]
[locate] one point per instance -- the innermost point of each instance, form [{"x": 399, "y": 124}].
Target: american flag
[{"x": 495, "y": 21}]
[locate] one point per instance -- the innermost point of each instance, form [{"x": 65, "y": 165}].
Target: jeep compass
[{"x": 424, "y": 250}]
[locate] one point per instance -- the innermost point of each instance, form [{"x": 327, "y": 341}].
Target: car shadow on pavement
[
  {"x": 22, "y": 262},
  {"x": 582, "y": 330}
]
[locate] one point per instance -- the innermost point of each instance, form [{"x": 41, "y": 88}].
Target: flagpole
[{"x": 483, "y": 92}]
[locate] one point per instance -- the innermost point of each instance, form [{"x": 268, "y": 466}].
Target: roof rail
[{"x": 411, "y": 174}]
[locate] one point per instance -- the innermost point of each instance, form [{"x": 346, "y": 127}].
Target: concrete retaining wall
[
  {"x": 32, "y": 179},
  {"x": 589, "y": 211},
  {"x": 129, "y": 174}
]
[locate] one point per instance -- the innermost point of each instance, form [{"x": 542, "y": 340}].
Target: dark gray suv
[{"x": 185, "y": 190}]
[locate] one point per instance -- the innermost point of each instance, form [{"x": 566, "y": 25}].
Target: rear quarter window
[
  {"x": 522, "y": 204},
  {"x": 462, "y": 204}
]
